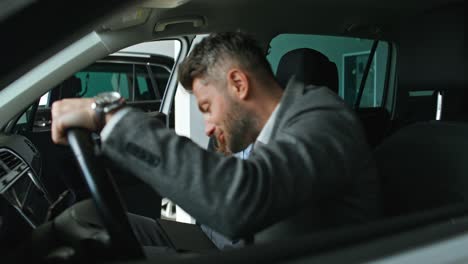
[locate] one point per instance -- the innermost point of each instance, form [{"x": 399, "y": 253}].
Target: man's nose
[{"x": 209, "y": 129}]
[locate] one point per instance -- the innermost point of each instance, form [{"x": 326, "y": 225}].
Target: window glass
[
  {"x": 350, "y": 56},
  {"x": 105, "y": 77},
  {"x": 44, "y": 101},
  {"x": 139, "y": 73},
  {"x": 23, "y": 118},
  {"x": 142, "y": 85},
  {"x": 132, "y": 81},
  {"x": 22, "y": 122},
  {"x": 161, "y": 77},
  {"x": 144, "y": 89}
]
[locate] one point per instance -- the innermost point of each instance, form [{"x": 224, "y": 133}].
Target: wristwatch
[{"x": 105, "y": 103}]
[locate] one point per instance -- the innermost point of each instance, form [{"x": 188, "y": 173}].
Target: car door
[{"x": 141, "y": 78}]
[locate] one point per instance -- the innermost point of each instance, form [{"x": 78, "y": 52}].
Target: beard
[
  {"x": 240, "y": 127},
  {"x": 221, "y": 147}
]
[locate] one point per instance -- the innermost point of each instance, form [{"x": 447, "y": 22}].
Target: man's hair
[{"x": 219, "y": 50}]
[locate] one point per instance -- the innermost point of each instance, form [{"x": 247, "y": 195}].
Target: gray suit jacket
[{"x": 316, "y": 172}]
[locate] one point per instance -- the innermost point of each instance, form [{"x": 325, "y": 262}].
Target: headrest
[
  {"x": 71, "y": 87},
  {"x": 423, "y": 166},
  {"x": 310, "y": 67}
]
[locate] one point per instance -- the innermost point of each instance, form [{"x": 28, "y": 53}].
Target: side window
[
  {"x": 143, "y": 87},
  {"x": 161, "y": 76},
  {"x": 23, "y": 122},
  {"x": 350, "y": 56},
  {"x": 422, "y": 106},
  {"x": 24, "y": 118},
  {"x": 105, "y": 77},
  {"x": 140, "y": 73},
  {"x": 44, "y": 101}
]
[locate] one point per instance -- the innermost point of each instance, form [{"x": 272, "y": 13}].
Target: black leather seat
[
  {"x": 313, "y": 67},
  {"x": 70, "y": 88},
  {"x": 376, "y": 122},
  {"x": 454, "y": 107},
  {"x": 424, "y": 166},
  {"x": 310, "y": 67}
]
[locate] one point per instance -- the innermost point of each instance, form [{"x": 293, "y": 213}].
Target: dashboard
[{"x": 20, "y": 182}]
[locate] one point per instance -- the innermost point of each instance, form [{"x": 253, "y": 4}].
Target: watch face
[
  {"x": 107, "y": 102},
  {"x": 106, "y": 98}
]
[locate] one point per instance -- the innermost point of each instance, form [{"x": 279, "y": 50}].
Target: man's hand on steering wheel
[
  {"x": 72, "y": 122},
  {"x": 72, "y": 113}
]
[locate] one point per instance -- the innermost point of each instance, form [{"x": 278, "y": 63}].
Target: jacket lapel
[{"x": 294, "y": 89}]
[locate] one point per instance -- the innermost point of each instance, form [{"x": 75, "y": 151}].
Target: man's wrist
[{"x": 105, "y": 105}]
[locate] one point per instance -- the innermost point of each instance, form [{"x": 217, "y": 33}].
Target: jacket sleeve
[{"x": 233, "y": 196}]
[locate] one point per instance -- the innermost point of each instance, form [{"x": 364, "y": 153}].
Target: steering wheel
[{"x": 105, "y": 195}]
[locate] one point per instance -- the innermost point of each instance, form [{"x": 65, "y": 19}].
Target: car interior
[{"x": 399, "y": 64}]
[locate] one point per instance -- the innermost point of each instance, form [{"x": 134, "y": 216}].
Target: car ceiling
[
  {"x": 335, "y": 17},
  {"x": 44, "y": 27}
]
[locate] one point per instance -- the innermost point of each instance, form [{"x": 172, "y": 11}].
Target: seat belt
[{"x": 357, "y": 102}]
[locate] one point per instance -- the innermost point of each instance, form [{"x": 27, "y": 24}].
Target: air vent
[{"x": 9, "y": 159}]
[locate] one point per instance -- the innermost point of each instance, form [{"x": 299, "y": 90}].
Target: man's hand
[{"x": 71, "y": 113}]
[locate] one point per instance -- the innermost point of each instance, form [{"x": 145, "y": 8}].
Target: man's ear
[{"x": 238, "y": 82}]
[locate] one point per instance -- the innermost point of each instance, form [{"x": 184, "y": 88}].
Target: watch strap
[{"x": 99, "y": 117}]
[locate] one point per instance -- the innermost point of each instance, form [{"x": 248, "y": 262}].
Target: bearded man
[{"x": 310, "y": 168}]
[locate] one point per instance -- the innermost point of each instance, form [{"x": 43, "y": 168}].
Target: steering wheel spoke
[{"x": 105, "y": 195}]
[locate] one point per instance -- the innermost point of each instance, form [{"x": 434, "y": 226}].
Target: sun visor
[
  {"x": 130, "y": 17},
  {"x": 163, "y": 3}
]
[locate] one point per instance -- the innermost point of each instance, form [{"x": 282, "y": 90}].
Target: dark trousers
[
  {"x": 148, "y": 231},
  {"x": 169, "y": 237}
]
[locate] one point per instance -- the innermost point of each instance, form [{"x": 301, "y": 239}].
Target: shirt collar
[
  {"x": 265, "y": 133},
  {"x": 263, "y": 137}
]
